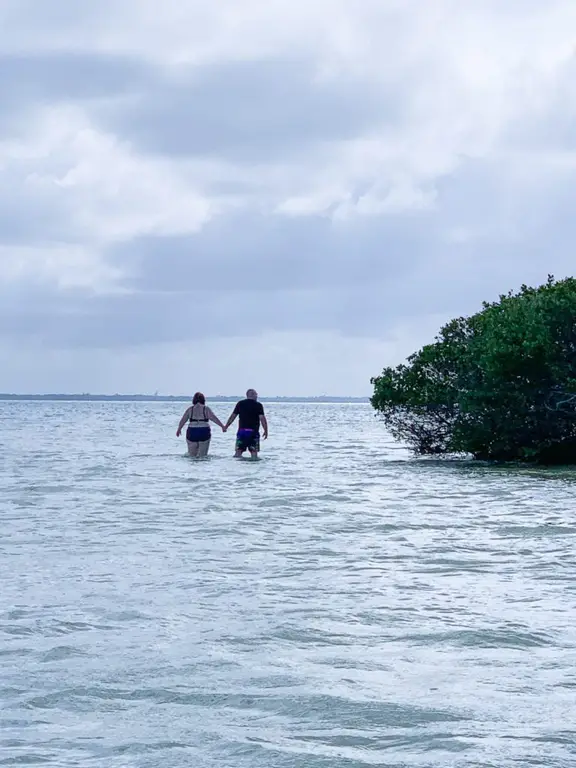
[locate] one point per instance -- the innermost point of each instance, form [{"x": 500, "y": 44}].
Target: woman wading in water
[{"x": 198, "y": 434}]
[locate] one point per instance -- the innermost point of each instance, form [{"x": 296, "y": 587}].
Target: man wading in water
[{"x": 251, "y": 414}]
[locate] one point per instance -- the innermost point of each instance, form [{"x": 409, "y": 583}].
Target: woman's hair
[{"x": 199, "y": 398}]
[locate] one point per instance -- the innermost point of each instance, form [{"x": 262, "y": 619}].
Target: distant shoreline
[{"x": 88, "y": 398}]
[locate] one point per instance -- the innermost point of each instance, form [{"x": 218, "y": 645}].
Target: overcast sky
[{"x": 284, "y": 194}]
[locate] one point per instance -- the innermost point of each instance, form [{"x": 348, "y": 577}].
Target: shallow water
[{"x": 335, "y": 605}]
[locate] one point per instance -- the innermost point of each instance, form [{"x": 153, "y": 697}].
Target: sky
[{"x": 280, "y": 194}]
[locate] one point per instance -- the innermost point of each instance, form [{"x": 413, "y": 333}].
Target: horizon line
[{"x": 156, "y": 396}]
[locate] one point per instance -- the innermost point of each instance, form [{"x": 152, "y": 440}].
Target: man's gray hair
[{"x": 251, "y": 394}]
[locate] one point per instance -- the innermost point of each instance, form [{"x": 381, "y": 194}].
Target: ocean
[{"x": 337, "y": 604}]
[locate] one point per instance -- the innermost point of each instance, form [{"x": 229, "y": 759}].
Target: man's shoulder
[{"x": 248, "y": 402}]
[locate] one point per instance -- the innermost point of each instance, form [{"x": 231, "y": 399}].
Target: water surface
[{"x": 335, "y": 605}]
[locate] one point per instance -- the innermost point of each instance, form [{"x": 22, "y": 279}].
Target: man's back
[{"x": 249, "y": 412}]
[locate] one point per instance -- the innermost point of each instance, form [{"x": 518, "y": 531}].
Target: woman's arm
[
  {"x": 212, "y": 416},
  {"x": 183, "y": 420}
]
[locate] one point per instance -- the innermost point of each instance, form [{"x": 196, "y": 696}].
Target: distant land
[{"x": 86, "y": 397}]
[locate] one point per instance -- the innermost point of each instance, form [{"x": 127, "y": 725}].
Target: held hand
[{"x": 224, "y": 429}]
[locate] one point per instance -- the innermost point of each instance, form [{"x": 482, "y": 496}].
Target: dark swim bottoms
[
  {"x": 198, "y": 434},
  {"x": 247, "y": 440}
]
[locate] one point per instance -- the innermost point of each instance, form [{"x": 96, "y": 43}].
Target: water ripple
[{"x": 331, "y": 606}]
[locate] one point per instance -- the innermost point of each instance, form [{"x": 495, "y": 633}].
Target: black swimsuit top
[{"x": 198, "y": 421}]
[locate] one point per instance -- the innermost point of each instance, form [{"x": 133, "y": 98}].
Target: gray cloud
[
  {"x": 32, "y": 213},
  {"x": 258, "y": 273},
  {"x": 257, "y": 252},
  {"x": 249, "y": 111},
  {"x": 154, "y": 318},
  {"x": 31, "y": 220},
  {"x": 27, "y": 81},
  {"x": 262, "y": 273}
]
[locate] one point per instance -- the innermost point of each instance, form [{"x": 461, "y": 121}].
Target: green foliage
[{"x": 500, "y": 384}]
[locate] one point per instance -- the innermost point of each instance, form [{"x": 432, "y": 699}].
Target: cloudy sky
[{"x": 285, "y": 194}]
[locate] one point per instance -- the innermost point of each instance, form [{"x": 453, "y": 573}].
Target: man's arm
[
  {"x": 183, "y": 421},
  {"x": 232, "y": 418},
  {"x": 264, "y": 423}
]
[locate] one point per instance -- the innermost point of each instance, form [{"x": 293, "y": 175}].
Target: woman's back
[{"x": 199, "y": 413}]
